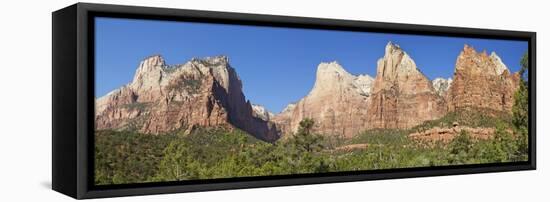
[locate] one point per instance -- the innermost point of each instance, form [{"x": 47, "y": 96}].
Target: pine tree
[{"x": 520, "y": 109}]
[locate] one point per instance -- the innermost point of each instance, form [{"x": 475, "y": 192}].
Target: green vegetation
[
  {"x": 520, "y": 110},
  {"x": 128, "y": 157},
  {"x": 190, "y": 84},
  {"x": 381, "y": 137},
  {"x": 468, "y": 117}
]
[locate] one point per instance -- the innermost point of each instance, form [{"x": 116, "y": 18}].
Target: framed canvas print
[{"x": 154, "y": 100}]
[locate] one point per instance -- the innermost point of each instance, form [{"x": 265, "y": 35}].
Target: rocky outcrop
[
  {"x": 442, "y": 85},
  {"x": 337, "y": 103},
  {"x": 481, "y": 81},
  {"x": 261, "y": 112},
  {"x": 200, "y": 93},
  {"x": 445, "y": 135},
  {"x": 402, "y": 96}
]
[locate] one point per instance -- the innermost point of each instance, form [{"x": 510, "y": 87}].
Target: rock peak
[
  {"x": 395, "y": 63},
  {"x": 468, "y": 48},
  {"x": 491, "y": 63},
  {"x": 337, "y": 101},
  {"x": 221, "y": 69},
  {"x": 149, "y": 73},
  {"x": 331, "y": 74},
  {"x": 261, "y": 112},
  {"x": 330, "y": 67},
  {"x": 153, "y": 60},
  {"x": 482, "y": 75},
  {"x": 200, "y": 93},
  {"x": 150, "y": 63},
  {"x": 499, "y": 65},
  {"x": 392, "y": 47}
]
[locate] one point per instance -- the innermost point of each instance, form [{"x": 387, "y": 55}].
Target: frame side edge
[
  {"x": 64, "y": 101},
  {"x": 533, "y": 99}
]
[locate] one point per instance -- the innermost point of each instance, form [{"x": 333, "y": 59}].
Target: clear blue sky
[{"x": 276, "y": 65}]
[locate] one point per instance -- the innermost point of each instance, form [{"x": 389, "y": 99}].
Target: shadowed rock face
[
  {"x": 200, "y": 93},
  {"x": 481, "y": 81},
  {"x": 402, "y": 96},
  {"x": 337, "y": 103}
]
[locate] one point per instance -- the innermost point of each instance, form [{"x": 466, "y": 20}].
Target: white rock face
[
  {"x": 332, "y": 76},
  {"x": 441, "y": 85},
  {"x": 149, "y": 77},
  {"x": 103, "y": 102},
  {"x": 396, "y": 62},
  {"x": 499, "y": 65},
  {"x": 337, "y": 103},
  {"x": 261, "y": 112},
  {"x": 289, "y": 108},
  {"x": 364, "y": 83}
]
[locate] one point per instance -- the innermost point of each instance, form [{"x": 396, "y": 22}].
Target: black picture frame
[{"x": 73, "y": 94}]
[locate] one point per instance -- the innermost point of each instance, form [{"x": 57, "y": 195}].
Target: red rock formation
[
  {"x": 161, "y": 99},
  {"x": 402, "y": 96},
  {"x": 445, "y": 135},
  {"x": 337, "y": 103},
  {"x": 481, "y": 81},
  {"x": 208, "y": 93}
]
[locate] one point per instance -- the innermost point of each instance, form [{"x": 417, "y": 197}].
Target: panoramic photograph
[{"x": 179, "y": 101}]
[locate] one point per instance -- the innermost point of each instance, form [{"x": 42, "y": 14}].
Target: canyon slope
[{"x": 200, "y": 93}]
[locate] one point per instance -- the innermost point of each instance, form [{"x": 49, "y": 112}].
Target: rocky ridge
[
  {"x": 208, "y": 93},
  {"x": 200, "y": 93}
]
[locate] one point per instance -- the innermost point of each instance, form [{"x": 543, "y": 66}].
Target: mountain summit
[
  {"x": 402, "y": 96},
  {"x": 337, "y": 103},
  {"x": 481, "y": 81},
  {"x": 200, "y": 93}
]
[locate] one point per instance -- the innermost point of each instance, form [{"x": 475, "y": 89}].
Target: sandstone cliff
[
  {"x": 481, "y": 81},
  {"x": 200, "y": 93},
  {"x": 337, "y": 103},
  {"x": 208, "y": 93},
  {"x": 402, "y": 96}
]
